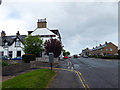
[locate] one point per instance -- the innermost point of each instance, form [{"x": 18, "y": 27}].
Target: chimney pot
[
  {"x": 41, "y": 23},
  {"x": 105, "y": 42},
  {"x": 3, "y": 33},
  {"x": 18, "y": 33}
]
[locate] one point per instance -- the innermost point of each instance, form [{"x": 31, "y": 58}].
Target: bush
[
  {"x": 28, "y": 57},
  {"x": 107, "y": 57},
  {"x": 89, "y": 55},
  {"x": 4, "y": 63}
]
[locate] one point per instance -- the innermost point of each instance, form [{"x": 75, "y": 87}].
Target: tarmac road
[{"x": 96, "y": 73}]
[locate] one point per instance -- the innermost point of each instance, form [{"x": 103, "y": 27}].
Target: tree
[
  {"x": 65, "y": 53},
  {"x": 32, "y": 45},
  {"x": 53, "y": 45},
  {"x": 68, "y": 53}
]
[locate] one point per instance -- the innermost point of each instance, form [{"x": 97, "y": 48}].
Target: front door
[{"x": 18, "y": 53}]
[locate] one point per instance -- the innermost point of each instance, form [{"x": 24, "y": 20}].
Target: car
[
  {"x": 85, "y": 56},
  {"x": 75, "y": 56},
  {"x": 65, "y": 57},
  {"x": 5, "y": 57},
  {"x": 17, "y": 58}
]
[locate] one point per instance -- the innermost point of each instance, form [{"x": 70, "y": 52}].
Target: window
[
  {"x": 2, "y": 53},
  {"x": 18, "y": 53},
  {"x": 10, "y": 54},
  {"x": 106, "y": 49},
  {"x": 110, "y": 49},
  {"x": 17, "y": 43}
]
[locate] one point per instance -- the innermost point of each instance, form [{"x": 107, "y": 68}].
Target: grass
[{"x": 36, "y": 79}]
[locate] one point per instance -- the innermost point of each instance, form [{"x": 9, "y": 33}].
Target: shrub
[
  {"x": 89, "y": 55},
  {"x": 28, "y": 57},
  {"x": 53, "y": 45},
  {"x": 4, "y": 63},
  {"x": 107, "y": 57}
]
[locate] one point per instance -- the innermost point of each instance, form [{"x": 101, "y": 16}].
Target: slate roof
[
  {"x": 56, "y": 32},
  {"x": 100, "y": 47},
  {"x": 11, "y": 39},
  {"x": 42, "y": 31}
]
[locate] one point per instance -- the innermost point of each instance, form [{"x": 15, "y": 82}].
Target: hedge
[
  {"x": 107, "y": 57},
  {"x": 28, "y": 57}
]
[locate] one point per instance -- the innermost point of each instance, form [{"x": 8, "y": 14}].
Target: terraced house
[
  {"x": 11, "y": 45},
  {"x": 107, "y": 49}
]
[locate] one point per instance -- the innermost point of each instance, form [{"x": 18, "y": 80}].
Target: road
[{"x": 97, "y": 73}]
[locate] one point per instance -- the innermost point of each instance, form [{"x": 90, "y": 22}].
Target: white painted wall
[{"x": 13, "y": 49}]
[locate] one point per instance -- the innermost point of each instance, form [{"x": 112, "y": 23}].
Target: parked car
[
  {"x": 5, "y": 57},
  {"x": 75, "y": 56},
  {"x": 65, "y": 57},
  {"x": 85, "y": 56},
  {"x": 17, "y": 58}
]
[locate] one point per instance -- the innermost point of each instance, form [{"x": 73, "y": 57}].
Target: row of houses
[
  {"x": 107, "y": 49},
  {"x": 11, "y": 45}
]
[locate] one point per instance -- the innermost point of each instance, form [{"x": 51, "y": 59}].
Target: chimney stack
[
  {"x": 17, "y": 34},
  {"x": 3, "y": 33},
  {"x": 105, "y": 42},
  {"x": 42, "y": 23}
]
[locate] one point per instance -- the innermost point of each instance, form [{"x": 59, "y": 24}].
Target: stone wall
[
  {"x": 21, "y": 66},
  {"x": 12, "y": 69},
  {"x": 14, "y": 61},
  {"x": 46, "y": 60}
]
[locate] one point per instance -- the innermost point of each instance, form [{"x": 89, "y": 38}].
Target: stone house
[{"x": 106, "y": 49}]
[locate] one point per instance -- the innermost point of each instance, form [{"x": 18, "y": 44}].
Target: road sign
[{"x": 51, "y": 56}]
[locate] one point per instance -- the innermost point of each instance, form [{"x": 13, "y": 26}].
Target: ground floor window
[
  {"x": 39, "y": 54},
  {"x": 10, "y": 54},
  {"x": 1, "y": 53},
  {"x": 18, "y": 53}
]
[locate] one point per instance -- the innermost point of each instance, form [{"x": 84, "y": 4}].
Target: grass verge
[{"x": 36, "y": 79}]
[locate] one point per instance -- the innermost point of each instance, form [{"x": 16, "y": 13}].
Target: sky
[{"x": 81, "y": 24}]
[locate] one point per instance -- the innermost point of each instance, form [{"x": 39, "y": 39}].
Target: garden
[{"x": 39, "y": 78}]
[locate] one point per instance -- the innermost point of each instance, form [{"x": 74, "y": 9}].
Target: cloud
[{"x": 79, "y": 23}]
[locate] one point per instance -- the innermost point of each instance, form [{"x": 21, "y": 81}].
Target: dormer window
[{"x": 17, "y": 43}]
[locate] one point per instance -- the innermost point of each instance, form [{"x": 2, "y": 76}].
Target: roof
[
  {"x": 99, "y": 47},
  {"x": 56, "y": 32},
  {"x": 42, "y": 31},
  {"x": 11, "y": 39}
]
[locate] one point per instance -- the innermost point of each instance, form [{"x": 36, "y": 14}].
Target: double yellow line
[{"x": 85, "y": 85}]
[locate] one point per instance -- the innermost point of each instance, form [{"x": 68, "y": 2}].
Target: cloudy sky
[{"x": 81, "y": 24}]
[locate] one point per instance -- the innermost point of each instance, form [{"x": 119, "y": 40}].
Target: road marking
[
  {"x": 80, "y": 79},
  {"x": 84, "y": 81},
  {"x": 85, "y": 85}
]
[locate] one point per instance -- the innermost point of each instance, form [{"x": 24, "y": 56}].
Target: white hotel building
[{"x": 11, "y": 45}]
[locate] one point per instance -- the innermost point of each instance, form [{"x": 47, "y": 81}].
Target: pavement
[{"x": 65, "y": 79}]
